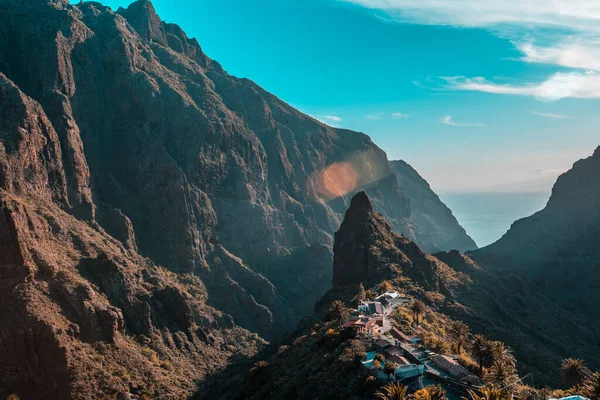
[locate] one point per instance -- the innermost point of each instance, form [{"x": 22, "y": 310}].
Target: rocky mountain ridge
[{"x": 155, "y": 210}]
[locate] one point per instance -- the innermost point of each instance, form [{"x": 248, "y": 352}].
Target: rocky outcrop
[
  {"x": 367, "y": 251},
  {"x": 433, "y": 218}
]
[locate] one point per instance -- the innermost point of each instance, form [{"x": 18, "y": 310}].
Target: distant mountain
[
  {"x": 557, "y": 247},
  {"x": 433, "y": 218}
]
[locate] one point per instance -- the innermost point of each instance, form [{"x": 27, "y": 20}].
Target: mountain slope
[
  {"x": 155, "y": 209},
  {"x": 557, "y": 248},
  {"x": 430, "y": 214}
]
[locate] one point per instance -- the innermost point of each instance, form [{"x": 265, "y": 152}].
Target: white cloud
[
  {"x": 374, "y": 117},
  {"x": 552, "y": 116},
  {"x": 399, "y": 115},
  {"x": 559, "y": 86},
  {"x": 448, "y": 121},
  {"x": 555, "y": 171},
  {"x": 575, "y": 15},
  {"x": 330, "y": 118},
  {"x": 573, "y": 52}
]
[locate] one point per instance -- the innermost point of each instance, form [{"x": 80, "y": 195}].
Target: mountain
[
  {"x": 158, "y": 214},
  {"x": 431, "y": 215},
  {"x": 557, "y": 247}
]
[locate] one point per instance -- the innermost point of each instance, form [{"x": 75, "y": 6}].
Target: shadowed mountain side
[
  {"x": 557, "y": 248},
  {"x": 217, "y": 177}
]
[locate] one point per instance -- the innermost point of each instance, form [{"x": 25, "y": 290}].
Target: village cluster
[{"x": 411, "y": 362}]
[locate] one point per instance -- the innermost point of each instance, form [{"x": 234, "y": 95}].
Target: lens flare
[{"x": 337, "y": 180}]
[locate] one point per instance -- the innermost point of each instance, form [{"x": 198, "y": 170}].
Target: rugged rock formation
[
  {"x": 556, "y": 249},
  {"x": 82, "y": 315},
  {"x": 433, "y": 219},
  {"x": 367, "y": 250},
  {"x": 152, "y": 204},
  {"x": 209, "y": 173}
]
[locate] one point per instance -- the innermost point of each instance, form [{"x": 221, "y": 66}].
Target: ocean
[{"x": 487, "y": 216}]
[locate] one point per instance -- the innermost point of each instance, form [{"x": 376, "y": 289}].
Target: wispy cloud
[
  {"x": 559, "y": 86},
  {"x": 399, "y": 115},
  {"x": 552, "y": 116},
  {"x": 329, "y": 118},
  {"x": 554, "y": 171},
  {"x": 375, "y": 117},
  {"x": 572, "y": 52},
  {"x": 575, "y": 15},
  {"x": 448, "y": 121}
]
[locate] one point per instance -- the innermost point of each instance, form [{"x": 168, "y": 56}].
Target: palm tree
[
  {"x": 338, "y": 309},
  {"x": 437, "y": 393},
  {"x": 573, "y": 371},
  {"x": 480, "y": 345},
  {"x": 488, "y": 393},
  {"x": 592, "y": 386},
  {"x": 384, "y": 287},
  {"x": 498, "y": 351},
  {"x": 459, "y": 331},
  {"x": 501, "y": 374},
  {"x": 376, "y": 364},
  {"x": 392, "y": 391},
  {"x": 371, "y": 294},
  {"x": 388, "y": 369},
  {"x": 417, "y": 307}
]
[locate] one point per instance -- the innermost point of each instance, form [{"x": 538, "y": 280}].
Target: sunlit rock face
[
  {"x": 121, "y": 135},
  {"x": 146, "y": 138}
]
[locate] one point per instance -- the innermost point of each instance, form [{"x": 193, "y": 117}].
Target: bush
[{"x": 166, "y": 365}]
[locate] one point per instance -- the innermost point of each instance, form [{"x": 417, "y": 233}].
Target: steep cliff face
[
  {"x": 152, "y": 204},
  {"x": 432, "y": 217},
  {"x": 82, "y": 314},
  {"x": 211, "y": 174}
]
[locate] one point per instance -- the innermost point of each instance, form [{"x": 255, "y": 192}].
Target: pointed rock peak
[
  {"x": 142, "y": 16},
  {"x": 361, "y": 201},
  {"x": 597, "y": 152}
]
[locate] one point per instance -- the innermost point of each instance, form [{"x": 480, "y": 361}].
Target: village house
[
  {"x": 455, "y": 370},
  {"x": 362, "y": 324},
  {"x": 400, "y": 337},
  {"x": 370, "y": 307}
]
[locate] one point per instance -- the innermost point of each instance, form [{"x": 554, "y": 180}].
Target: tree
[
  {"x": 371, "y": 294},
  {"x": 361, "y": 294},
  {"x": 376, "y": 364},
  {"x": 392, "y": 391},
  {"x": 384, "y": 287},
  {"x": 573, "y": 372},
  {"x": 388, "y": 369},
  {"x": 338, "y": 309},
  {"x": 488, "y": 393},
  {"x": 459, "y": 331},
  {"x": 437, "y": 393},
  {"x": 430, "y": 393},
  {"x": 592, "y": 386},
  {"x": 501, "y": 375},
  {"x": 480, "y": 346},
  {"x": 417, "y": 307},
  {"x": 380, "y": 357}
]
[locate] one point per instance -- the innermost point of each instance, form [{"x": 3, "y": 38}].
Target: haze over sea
[{"x": 487, "y": 216}]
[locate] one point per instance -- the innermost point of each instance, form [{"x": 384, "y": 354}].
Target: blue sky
[{"x": 475, "y": 95}]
